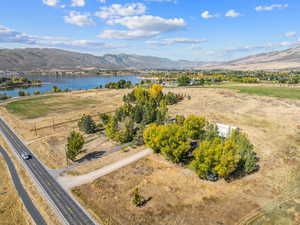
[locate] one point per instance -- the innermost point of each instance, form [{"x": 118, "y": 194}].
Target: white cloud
[
  {"x": 51, "y": 2},
  {"x": 78, "y": 3},
  {"x": 79, "y": 19},
  {"x": 177, "y": 40},
  {"x": 140, "y": 27},
  {"x": 102, "y": 1},
  {"x": 150, "y": 23},
  {"x": 290, "y": 34},
  {"x": 206, "y": 15},
  {"x": 127, "y": 34},
  {"x": 232, "y": 13},
  {"x": 118, "y": 10},
  {"x": 271, "y": 7},
  {"x": 8, "y": 35}
]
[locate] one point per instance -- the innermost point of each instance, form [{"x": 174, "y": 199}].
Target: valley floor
[{"x": 176, "y": 195}]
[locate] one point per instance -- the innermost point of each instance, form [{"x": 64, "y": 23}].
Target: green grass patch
[
  {"x": 279, "y": 92},
  {"x": 36, "y": 107}
]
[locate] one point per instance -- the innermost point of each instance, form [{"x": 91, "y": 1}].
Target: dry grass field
[
  {"x": 12, "y": 210},
  {"x": 268, "y": 197},
  {"x": 49, "y": 142}
]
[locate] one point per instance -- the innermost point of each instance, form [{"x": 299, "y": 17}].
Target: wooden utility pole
[{"x": 67, "y": 161}]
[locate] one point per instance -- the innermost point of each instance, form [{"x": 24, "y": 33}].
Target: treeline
[
  {"x": 11, "y": 82},
  {"x": 195, "y": 143},
  {"x": 54, "y": 89},
  {"x": 121, "y": 84},
  {"x": 208, "y": 77}
]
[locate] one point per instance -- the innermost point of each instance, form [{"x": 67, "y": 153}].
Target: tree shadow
[{"x": 91, "y": 156}]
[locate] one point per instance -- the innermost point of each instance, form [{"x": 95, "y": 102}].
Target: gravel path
[{"x": 73, "y": 181}]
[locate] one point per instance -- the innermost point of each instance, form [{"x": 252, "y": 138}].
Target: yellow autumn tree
[{"x": 156, "y": 91}]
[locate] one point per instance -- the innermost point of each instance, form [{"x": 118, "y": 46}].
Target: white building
[{"x": 225, "y": 130}]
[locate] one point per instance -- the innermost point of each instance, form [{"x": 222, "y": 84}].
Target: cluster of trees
[
  {"x": 122, "y": 84},
  {"x": 4, "y": 96},
  {"x": 23, "y": 93},
  {"x": 185, "y": 78},
  {"x": 214, "y": 158},
  {"x": 11, "y": 82},
  {"x": 141, "y": 107}
]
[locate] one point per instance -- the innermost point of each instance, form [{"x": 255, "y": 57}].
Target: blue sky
[{"x": 204, "y": 30}]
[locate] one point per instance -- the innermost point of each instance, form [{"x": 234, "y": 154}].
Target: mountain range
[{"x": 50, "y": 59}]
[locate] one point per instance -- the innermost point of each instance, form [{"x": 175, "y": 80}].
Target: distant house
[{"x": 225, "y": 130}]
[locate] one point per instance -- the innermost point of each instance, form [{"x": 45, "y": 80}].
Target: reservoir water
[{"x": 70, "y": 82}]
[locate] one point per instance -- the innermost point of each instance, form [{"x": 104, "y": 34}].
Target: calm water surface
[{"x": 71, "y": 82}]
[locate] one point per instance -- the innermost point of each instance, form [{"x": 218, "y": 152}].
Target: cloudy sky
[{"x": 203, "y": 30}]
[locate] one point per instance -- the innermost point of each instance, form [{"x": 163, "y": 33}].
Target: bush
[{"x": 137, "y": 200}]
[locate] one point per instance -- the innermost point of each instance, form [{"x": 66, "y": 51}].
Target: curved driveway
[{"x": 36, "y": 216}]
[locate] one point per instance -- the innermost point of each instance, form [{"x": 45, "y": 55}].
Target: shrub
[{"x": 137, "y": 199}]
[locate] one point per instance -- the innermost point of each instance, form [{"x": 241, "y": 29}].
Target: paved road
[
  {"x": 73, "y": 181},
  {"x": 70, "y": 212},
  {"x": 36, "y": 216}
]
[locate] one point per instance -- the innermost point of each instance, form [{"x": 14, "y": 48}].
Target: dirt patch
[{"x": 175, "y": 196}]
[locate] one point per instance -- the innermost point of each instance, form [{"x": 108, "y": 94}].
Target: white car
[{"x": 25, "y": 155}]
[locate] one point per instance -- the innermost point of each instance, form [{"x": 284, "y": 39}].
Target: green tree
[
  {"x": 171, "y": 140},
  {"x": 248, "y": 163},
  {"x": 74, "y": 145},
  {"x": 104, "y": 118},
  {"x": 228, "y": 159},
  {"x": 183, "y": 80},
  {"x": 195, "y": 127},
  {"x": 87, "y": 124},
  {"x": 205, "y": 157},
  {"x": 126, "y": 134},
  {"x": 112, "y": 127},
  {"x": 217, "y": 157},
  {"x": 37, "y": 93},
  {"x": 139, "y": 138}
]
